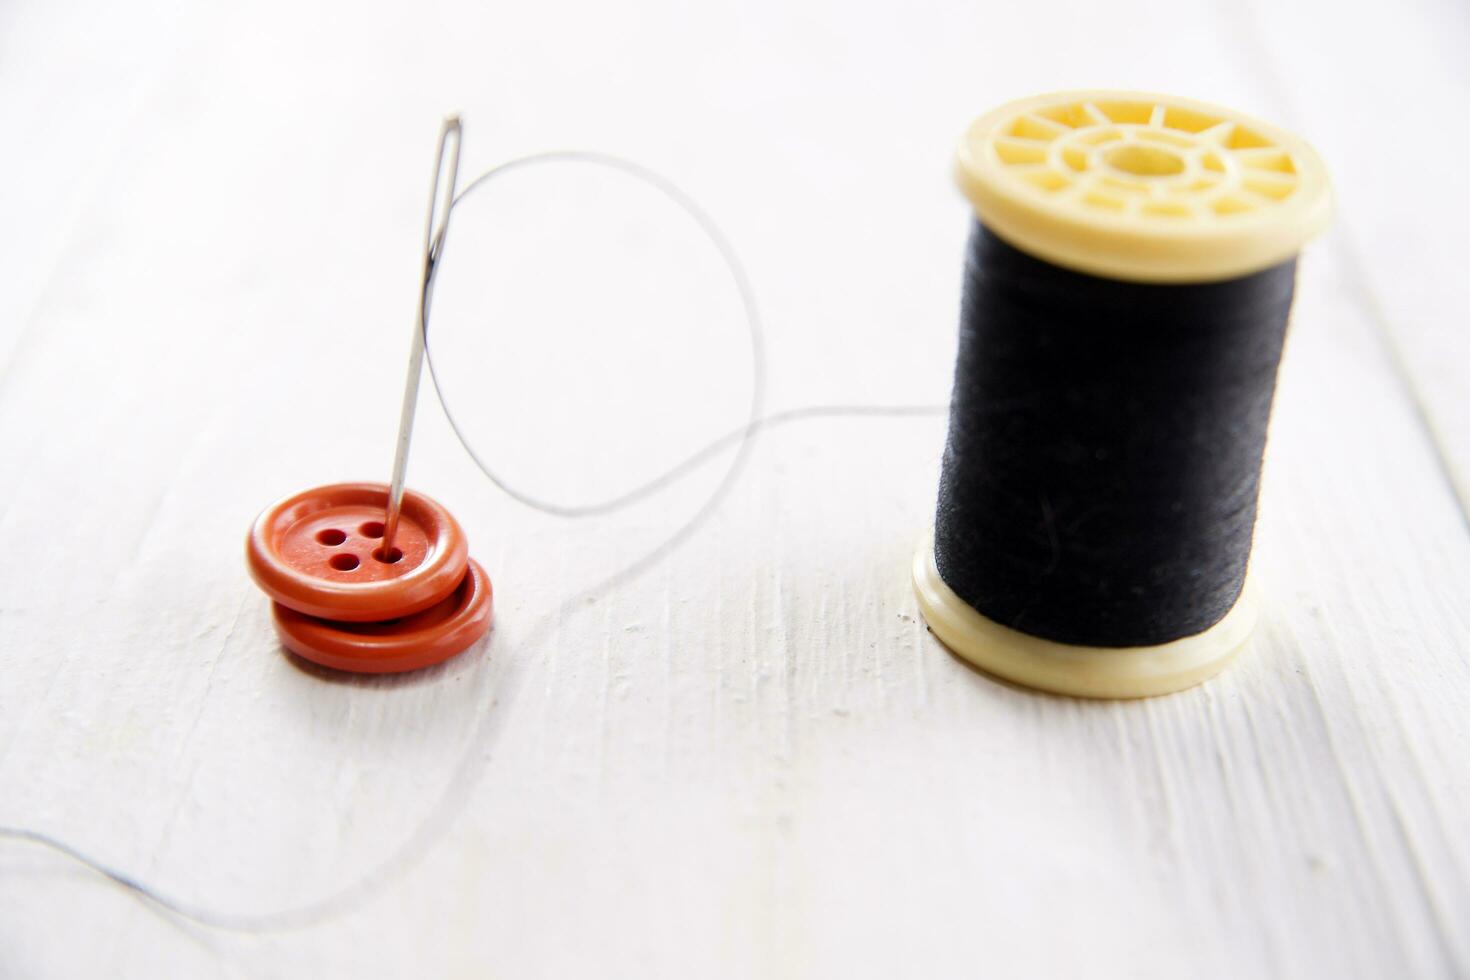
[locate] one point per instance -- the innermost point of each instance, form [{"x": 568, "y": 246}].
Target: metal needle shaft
[{"x": 436, "y": 226}]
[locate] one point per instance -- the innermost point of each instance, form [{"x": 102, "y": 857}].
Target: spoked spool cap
[{"x": 1147, "y": 188}]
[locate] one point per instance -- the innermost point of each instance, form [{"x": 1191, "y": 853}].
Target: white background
[{"x": 744, "y": 756}]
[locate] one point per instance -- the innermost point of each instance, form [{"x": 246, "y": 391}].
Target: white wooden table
[{"x": 745, "y": 756}]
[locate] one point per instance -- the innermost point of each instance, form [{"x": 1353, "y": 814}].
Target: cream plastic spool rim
[
  {"x": 1143, "y": 187},
  {"x": 1079, "y": 671}
]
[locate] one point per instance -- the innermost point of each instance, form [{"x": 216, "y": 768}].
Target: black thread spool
[{"x": 1129, "y": 279}]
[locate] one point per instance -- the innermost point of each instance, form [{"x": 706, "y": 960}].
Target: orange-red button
[
  {"x": 320, "y": 553},
  {"x": 426, "y": 638}
]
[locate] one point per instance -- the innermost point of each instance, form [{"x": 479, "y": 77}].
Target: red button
[
  {"x": 320, "y": 553},
  {"x": 426, "y": 638}
]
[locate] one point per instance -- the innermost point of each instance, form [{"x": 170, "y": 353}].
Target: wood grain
[{"x": 743, "y": 755}]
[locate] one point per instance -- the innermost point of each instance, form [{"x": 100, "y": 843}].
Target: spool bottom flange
[{"x": 1080, "y": 671}]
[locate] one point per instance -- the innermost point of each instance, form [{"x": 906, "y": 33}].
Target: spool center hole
[{"x": 1145, "y": 160}]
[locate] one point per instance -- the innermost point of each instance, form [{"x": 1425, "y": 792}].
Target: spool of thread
[{"x": 1129, "y": 278}]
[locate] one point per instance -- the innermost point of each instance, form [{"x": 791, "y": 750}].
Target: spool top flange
[{"x": 1148, "y": 188}]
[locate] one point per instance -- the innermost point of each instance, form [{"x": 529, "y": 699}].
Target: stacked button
[{"x": 344, "y": 601}]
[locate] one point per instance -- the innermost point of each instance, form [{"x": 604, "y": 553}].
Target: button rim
[
  {"x": 421, "y": 587},
  {"x": 321, "y": 642}
]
